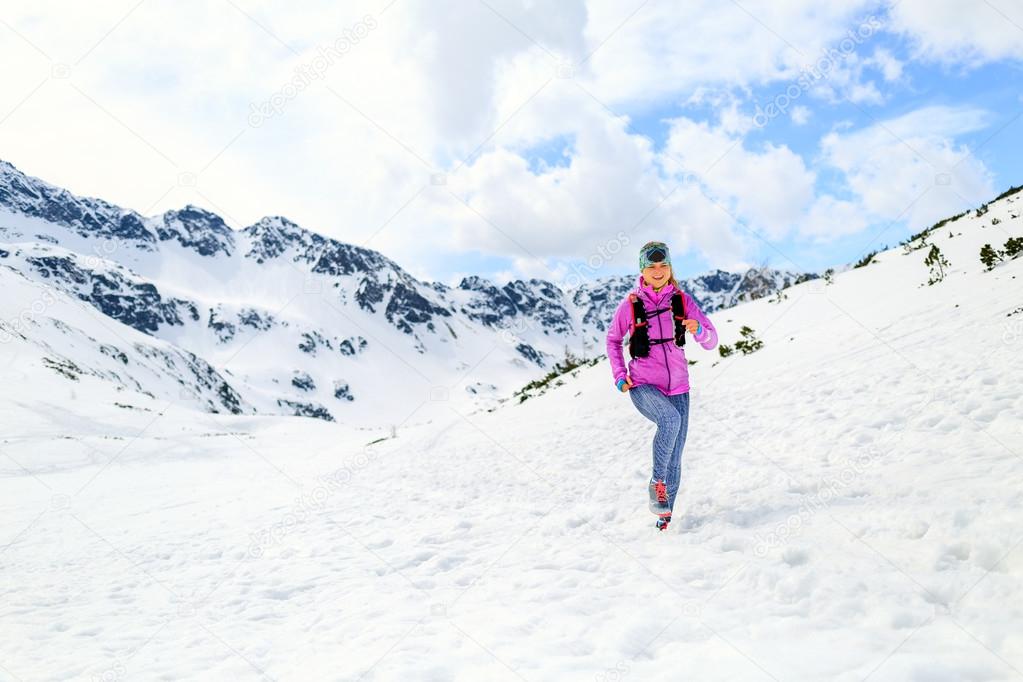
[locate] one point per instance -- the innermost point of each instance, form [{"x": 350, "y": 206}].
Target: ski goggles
[{"x": 654, "y": 252}]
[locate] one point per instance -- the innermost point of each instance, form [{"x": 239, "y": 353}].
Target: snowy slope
[
  {"x": 852, "y": 507},
  {"x": 56, "y": 349}
]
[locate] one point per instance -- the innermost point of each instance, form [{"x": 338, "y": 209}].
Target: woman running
[{"x": 656, "y": 316}]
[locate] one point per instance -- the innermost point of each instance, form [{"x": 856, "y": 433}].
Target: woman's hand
[
  {"x": 691, "y": 325},
  {"x": 627, "y": 386}
]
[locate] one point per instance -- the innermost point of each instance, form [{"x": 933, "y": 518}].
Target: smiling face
[{"x": 657, "y": 274}]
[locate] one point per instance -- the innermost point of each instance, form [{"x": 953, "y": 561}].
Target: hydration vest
[{"x": 639, "y": 338}]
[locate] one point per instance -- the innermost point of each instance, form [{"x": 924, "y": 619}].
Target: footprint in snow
[
  {"x": 916, "y": 530},
  {"x": 449, "y": 562},
  {"x": 574, "y": 521},
  {"x": 794, "y": 556},
  {"x": 689, "y": 522},
  {"x": 952, "y": 555},
  {"x": 418, "y": 559},
  {"x": 732, "y": 545}
]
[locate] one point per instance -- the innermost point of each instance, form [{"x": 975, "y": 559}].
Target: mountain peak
[
  {"x": 197, "y": 228},
  {"x": 476, "y": 283},
  {"x": 275, "y": 222},
  {"x": 191, "y": 212}
]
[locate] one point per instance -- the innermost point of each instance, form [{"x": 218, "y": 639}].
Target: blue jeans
[{"x": 671, "y": 414}]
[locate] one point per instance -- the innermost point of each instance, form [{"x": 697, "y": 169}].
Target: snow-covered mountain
[
  {"x": 298, "y": 323},
  {"x": 98, "y": 358},
  {"x": 851, "y": 504}
]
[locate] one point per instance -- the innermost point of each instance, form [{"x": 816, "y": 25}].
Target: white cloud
[
  {"x": 848, "y": 82},
  {"x": 889, "y": 65},
  {"x": 910, "y": 168},
  {"x": 830, "y": 218},
  {"x": 771, "y": 187},
  {"x": 958, "y": 32},
  {"x": 671, "y": 48},
  {"x": 800, "y": 114},
  {"x": 564, "y": 211}
]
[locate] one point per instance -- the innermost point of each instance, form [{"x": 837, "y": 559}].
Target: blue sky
[{"x": 373, "y": 102}]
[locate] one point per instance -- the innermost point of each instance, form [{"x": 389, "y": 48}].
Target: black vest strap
[
  {"x": 639, "y": 337},
  {"x": 678, "y": 312}
]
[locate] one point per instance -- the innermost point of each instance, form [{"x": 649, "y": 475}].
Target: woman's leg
[
  {"x": 681, "y": 404},
  {"x": 657, "y": 407}
]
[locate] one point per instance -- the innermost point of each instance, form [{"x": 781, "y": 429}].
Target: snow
[{"x": 851, "y": 508}]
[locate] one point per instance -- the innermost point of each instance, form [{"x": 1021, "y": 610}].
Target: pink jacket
[{"x": 666, "y": 366}]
